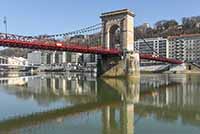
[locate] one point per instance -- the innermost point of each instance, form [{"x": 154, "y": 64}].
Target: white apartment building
[
  {"x": 17, "y": 61},
  {"x": 38, "y": 58},
  {"x": 185, "y": 47},
  {"x": 13, "y": 61},
  {"x": 156, "y": 46}
]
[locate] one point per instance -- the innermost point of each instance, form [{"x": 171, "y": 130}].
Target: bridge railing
[{"x": 160, "y": 58}]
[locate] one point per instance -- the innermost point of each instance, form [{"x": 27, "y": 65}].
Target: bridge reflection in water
[
  {"x": 116, "y": 105},
  {"x": 84, "y": 94}
]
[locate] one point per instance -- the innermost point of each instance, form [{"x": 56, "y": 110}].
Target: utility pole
[{"x": 5, "y": 23}]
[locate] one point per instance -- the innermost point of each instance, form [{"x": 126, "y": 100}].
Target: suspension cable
[
  {"x": 80, "y": 31},
  {"x": 51, "y": 37},
  {"x": 141, "y": 37},
  {"x": 143, "y": 40}
]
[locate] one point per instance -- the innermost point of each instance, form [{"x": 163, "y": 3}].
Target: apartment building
[
  {"x": 155, "y": 46},
  {"x": 185, "y": 47},
  {"x": 38, "y": 58}
]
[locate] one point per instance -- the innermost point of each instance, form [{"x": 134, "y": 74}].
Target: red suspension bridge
[
  {"x": 16, "y": 41},
  {"x": 85, "y": 40}
]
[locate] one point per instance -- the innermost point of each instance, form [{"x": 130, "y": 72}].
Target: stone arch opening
[
  {"x": 115, "y": 36},
  {"x": 123, "y": 19}
]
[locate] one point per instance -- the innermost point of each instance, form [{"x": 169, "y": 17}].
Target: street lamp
[{"x": 5, "y": 23}]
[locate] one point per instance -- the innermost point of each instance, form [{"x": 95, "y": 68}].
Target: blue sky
[{"x": 32, "y": 17}]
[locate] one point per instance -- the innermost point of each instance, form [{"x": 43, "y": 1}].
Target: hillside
[
  {"x": 17, "y": 52},
  {"x": 165, "y": 28}
]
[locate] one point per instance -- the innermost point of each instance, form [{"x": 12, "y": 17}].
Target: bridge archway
[
  {"x": 118, "y": 32},
  {"x": 115, "y": 36},
  {"x": 118, "y": 23}
]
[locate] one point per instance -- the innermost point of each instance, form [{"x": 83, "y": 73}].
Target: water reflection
[
  {"x": 47, "y": 88},
  {"x": 129, "y": 91},
  {"x": 83, "y": 93},
  {"x": 180, "y": 92},
  {"x": 176, "y": 100},
  {"x": 105, "y": 106}
]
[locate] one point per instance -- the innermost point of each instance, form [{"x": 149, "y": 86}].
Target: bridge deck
[
  {"x": 58, "y": 47},
  {"x": 158, "y": 58},
  {"x": 61, "y": 46}
]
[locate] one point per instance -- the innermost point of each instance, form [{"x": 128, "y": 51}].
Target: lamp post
[{"x": 5, "y": 23}]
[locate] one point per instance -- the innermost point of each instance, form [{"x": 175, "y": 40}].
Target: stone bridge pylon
[{"x": 118, "y": 33}]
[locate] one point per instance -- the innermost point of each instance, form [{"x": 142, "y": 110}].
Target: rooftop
[
  {"x": 184, "y": 36},
  {"x": 152, "y": 39}
]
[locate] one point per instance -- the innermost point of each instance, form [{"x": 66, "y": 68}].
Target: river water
[{"x": 82, "y": 104}]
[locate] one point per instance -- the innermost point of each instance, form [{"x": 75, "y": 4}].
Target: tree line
[{"x": 165, "y": 28}]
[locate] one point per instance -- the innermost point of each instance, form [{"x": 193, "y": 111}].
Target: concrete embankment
[{"x": 183, "y": 68}]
